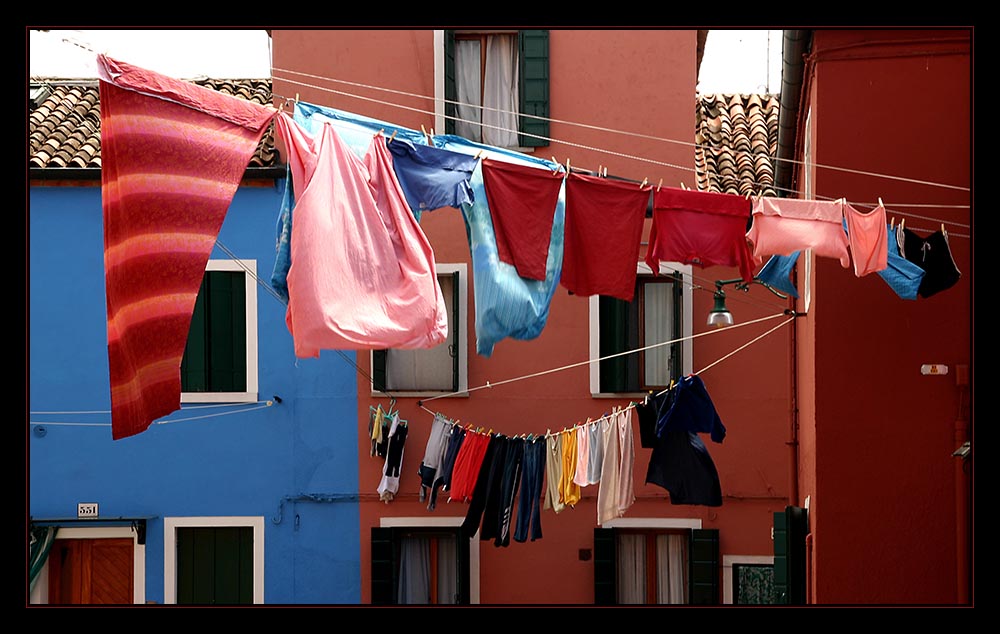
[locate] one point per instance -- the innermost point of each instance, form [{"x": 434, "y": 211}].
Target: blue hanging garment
[
  {"x": 777, "y": 273},
  {"x": 431, "y": 177},
  {"x": 902, "y": 276}
]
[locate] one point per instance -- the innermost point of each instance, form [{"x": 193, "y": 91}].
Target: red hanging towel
[
  {"x": 703, "y": 228},
  {"x": 173, "y": 154},
  {"x": 603, "y": 230},
  {"x": 522, "y": 203}
]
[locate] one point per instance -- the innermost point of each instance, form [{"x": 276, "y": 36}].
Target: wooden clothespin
[
  {"x": 427, "y": 136},
  {"x": 599, "y": 168},
  {"x": 902, "y": 223},
  {"x": 392, "y": 137},
  {"x": 683, "y": 186},
  {"x": 659, "y": 185},
  {"x": 296, "y": 97},
  {"x": 281, "y": 106},
  {"x": 880, "y": 202},
  {"x": 379, "y": 133},
  {"x": 478, "y": 154},
  {"x": 644, "y": 181},
  {"x": 567, "y": 165},
  {"x": 892, "y": 223}
]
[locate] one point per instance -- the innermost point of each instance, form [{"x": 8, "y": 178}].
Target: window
[
  {"x": 416, "y": 563},
  {"x": 659, "y": 312},
  {"x": 656, "y": 566},
  {"x": 213, "y": 560},
  {"x": 220, "y": 359},
  {"x": 442, "y": 368},
  {"x": 495, "y": 77}
]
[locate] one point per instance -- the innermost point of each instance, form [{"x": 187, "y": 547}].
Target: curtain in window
[
  {"x": 447, "y": 570},
  {"x": 39, "y": 545},
  {"x": 671, "y": 569},
  {"x": 755, "y": 584},
  {"x": 657, "y": 327},
  {"x": 631, "y": 569},
  {"x": 414, "y": 571},
  {"x": 467, "y": 76},
  {"x": 500, "y": 91}
]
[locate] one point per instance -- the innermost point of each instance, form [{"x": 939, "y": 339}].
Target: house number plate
[{"x": 86, "y": 510}]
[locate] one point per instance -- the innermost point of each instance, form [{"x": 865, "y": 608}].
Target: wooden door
[{"x": 91, "y": 571}]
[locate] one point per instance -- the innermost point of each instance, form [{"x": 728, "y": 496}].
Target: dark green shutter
[
  {"x": 704, "y": 567},
  {"x": 215, "y": 565},
  {"x": 619, "y": 324},
  {"x": 456, "y": 324},
  {"x": 790, "y": 529},
  {"x": 384, "y": 566},
  {"x": 533, "y": 88},
  {"x": 605, "y": 567},
  {"x": 215, "y": 355},
  {"x": 450, "y": 88},
  {"x": 464, "y": 577},
  {"x": 194, "y": 365},
  {"x": 378, "y": 369},
  {"x": 677, "y": 350}
]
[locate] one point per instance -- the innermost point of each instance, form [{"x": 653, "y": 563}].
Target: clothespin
[
  {"x": 902, "y": 223},
  {"x": 605, "y": 172},
  {"x": 478, "y": 154},
  {"x": 880, "y": 202},
  {"x": 281, "y": 106},
  {"x": 942, "y": 229},
  {"x": 683, "y": 186},
  {"x": 428, "y": 136},
  {"x": 392, "y": 137},
  {"x": 599, "y": 168},
  {"x": 567, "y": 165},
  {"x": 892, "y": 223},
  {"x": 659, "y": 185},
  {"x": 558, "y": 166},
  {"x": 379, "y": 133},
  {"x": 644, "y": 181},
  {"x": 296, "y": 97}
]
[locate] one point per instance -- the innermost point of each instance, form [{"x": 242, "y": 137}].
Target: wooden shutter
[
  {"x": 194, "y": 365},
  {"x": 215, "y": 565},
  {"x": 605, "y": 567},
  {"x": 790, "y": 529},
  {"x": 384, "y": 566},
  {"x": 450, "y": 88},
  {"x": 677, "y": 349},
  {"x": 378, "y": 369},
  {"x": 464, "y": 576},
  {"x": 455, "y": 324},
  {"x": 533, "y": 88},
  {"x": 227, "y": 331},
  {"x": 704, "y": 567}
]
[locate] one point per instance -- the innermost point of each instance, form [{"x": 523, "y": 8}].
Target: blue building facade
[{"x": 252, "y": 501}]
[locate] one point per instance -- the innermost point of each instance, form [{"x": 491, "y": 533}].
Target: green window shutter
[
  {"x": 227, "y": 331},
  {"x": 384, "y": 566},
  {"x": 605, "y": 567},
  {"x": 533, "y": 86},
  {"x": 619, "y": 324},
  {"x": 194, "y": 365},
  {"x": 450, "y": 88},
  {"x": 704, "y": 567},
  {"x": 215, "y": 565},
  {"x": 378, "y": 369},
  {"x": 677, "y": 350},
  {"x": 790, "y": 530},
  {"x": 456, "y": 323},
  {"x": 464, "y": 576},
  {"x": 780, "y": 539}
]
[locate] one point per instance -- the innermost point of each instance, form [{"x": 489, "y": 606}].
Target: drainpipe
[
  {"x": 962, "y": 461},
  {"x": 795, "y": 44}
]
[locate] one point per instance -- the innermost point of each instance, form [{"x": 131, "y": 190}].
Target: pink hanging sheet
[
  {"x": 363, "y": 274},
  {"x": 782, "y": 226},
  {"x": 173, "y": 154},
  {"x": 868, "y": 239}
]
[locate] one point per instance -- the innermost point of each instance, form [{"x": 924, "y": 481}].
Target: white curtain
[
  {"x": 500, "y": 91},
  {"x": 414, "y": 571},
  {"x": 447, "y": 570},
  {"x": 658, "y": 327},
  {"x": 631, "y": 569},
  {"x": 671, "y": 569},
  {"x": 467, "y": 80}
]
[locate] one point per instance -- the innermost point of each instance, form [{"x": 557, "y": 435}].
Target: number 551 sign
[{"x": 86, "y": 510}]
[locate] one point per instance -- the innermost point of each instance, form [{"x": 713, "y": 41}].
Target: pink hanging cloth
[
  {"x": 603, "y": 230},
  {"x": 782, "y": 226},
  {"x": 868, "y": 239},
  {"x": 522, "y": 201},
  {"x": 173, "y": 154},
  {"x": 703, "y": 228},
  {"x": 363, "y": 273}
]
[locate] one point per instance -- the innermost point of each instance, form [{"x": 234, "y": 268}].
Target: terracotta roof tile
[
  {"x": 737, "y": 138},
  {"x": 64, "y": 130}
]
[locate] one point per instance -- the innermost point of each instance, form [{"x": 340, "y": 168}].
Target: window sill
[
  {"x": 629, "y": 395},
  {"x": 419, "y": 395},
  {"x": 218, "y": 397}
]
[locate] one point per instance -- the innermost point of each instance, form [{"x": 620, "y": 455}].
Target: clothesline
[
  {"x": 592, "y": 127},
  {"x": 184, "y": 408},
  {"x": 162, "y": 421},
  {"x": 596, "y": 149}
]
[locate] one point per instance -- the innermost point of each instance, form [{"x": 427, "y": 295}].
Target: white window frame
[
  {"x": 249, "y": 270},
  {"x": 463, "y": 338},
  {"x": 40, "y": 593},
  {"x": 687, "y": 312},
  {"x": 448, "y": 522},
  {"x": 727, "y": 571},
  {"x": 170, "y": 526}
]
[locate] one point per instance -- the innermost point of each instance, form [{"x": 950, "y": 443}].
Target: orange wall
[
  {"x": 641, "y": 82},
  {"x": 884, "y": 434}
]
